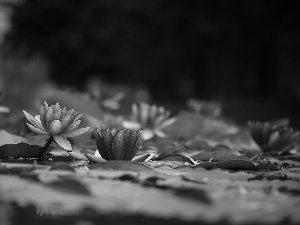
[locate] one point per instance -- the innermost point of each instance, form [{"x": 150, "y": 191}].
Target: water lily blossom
[
  {"x": 57, "y": 123},
  {"x": 272, "y": 137},
  {"x": 120, "y": 145},
  {"x": 151, "y": 118}
]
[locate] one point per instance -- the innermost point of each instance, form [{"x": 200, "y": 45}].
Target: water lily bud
[
  {"x": 271, "y": 137},
  {"x": 122, "y": 145}
]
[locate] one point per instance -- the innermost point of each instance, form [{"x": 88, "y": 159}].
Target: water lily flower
[
  {"x": 57, "y": 123},
  {"x": 272, "y": 137},
  {"x": 151, "y": 118},
  {"x": 204, "y": 108},
  {"x": 120, "y": 145}
]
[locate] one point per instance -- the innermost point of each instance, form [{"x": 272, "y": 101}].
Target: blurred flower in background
[{"x": 151, "y": 118}]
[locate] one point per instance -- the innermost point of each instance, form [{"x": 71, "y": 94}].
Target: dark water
[
  {"x": 12, "y": 214},
  {"x": 5, "y": 214}
]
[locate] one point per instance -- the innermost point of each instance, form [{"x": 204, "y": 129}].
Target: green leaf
[
  {"x": 229, "y": 164},
  {"x": 70, "y": 186},
  {"x": 17, "y": 146},
  {"x": 218, "y": 156}
]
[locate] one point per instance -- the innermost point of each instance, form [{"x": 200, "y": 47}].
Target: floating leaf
[
  {"x": 177, "y": 157},
  {"x": 230, "y": 164},
  {"x": 194, "y": 195},
  {"x": 17, "y": 146},
  {"x": 176, "y": 148},
  {"x": 70, "y": 186},
  {"x": 218, "y": 156},
  {"x": 266, "y": 166}
]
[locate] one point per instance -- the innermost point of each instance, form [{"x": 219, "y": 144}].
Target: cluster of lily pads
[{"x": 145, "y": 123}]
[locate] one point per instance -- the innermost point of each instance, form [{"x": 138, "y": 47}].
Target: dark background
[{"x": 244, "y": 54}]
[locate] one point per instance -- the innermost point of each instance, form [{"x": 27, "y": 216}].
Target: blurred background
[{"x": 242, "y": 54}]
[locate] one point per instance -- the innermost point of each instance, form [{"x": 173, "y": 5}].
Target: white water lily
[
  {"x": 150, "y": 118},
  {"x": 271, "y": 137},
  {"x": 56, "y": 122}
]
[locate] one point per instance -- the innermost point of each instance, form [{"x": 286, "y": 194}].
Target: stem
[{"x": 50, "y": 140}]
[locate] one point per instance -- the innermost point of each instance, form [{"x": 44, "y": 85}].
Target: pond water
[{"x": 12, "y": 214}]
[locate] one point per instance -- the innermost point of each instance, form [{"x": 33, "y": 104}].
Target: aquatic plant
[
  {"x": 120, "y": 145},
  {"x": 150, "y": 118},
  {"x": 57, "y": 123},
  {"x": 272, "y": 137}
]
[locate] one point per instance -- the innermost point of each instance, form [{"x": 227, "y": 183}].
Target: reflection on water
[
  {"x": 5, "y": 213},
  {"x": 13, "y": 214}
]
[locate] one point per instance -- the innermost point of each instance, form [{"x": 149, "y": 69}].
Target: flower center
[{"x": 55, "y": 127}]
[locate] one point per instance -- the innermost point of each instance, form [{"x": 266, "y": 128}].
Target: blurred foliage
[
  {"x": 23, "y": 81},
  {"x": 177, "y": 50},
  {"x": 185, "y": 46}
]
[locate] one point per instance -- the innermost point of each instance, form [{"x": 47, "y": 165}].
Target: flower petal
[
  {"x": 119, "y": 145},
  {"x": 33, "y": 120},
  {"x": 167, "y": 123},
  {"x": 43, "y": 112},
  {"x": 63, "y": 142},
  {"x": 135, "y": 112},
  {"x": 108, "y": 140},
  {"x": 68, "y": 119},
  {"x": 4, "y": 109},
  {"x": 95, "y": 158},
  {"x": 131, "y": 125},
  {"x": 77, "y": 155},
  {"x": 100, "y": 143},
  {"x": 134, "y": 144},
  {"x": 36, "y": 130},
  {"x": 147, "y": 134},
  {"x": 49, "y": 118},
  {"x": 72, "y": 127},
  {"x": 144, "y": 114},
  {"x": 77, "y": 132},
  {"x": 159, "y": 133}
]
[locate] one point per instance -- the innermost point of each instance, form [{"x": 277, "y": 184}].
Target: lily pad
[
  {"x": 229, "y": 164},
  {"x": 177, "y": 157},
  {"x": 176, "y": 148},
  {"x": 218, "y": 156},
  {"x": 17, "y": 146},
  {"x": 70, "y": 186}
]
